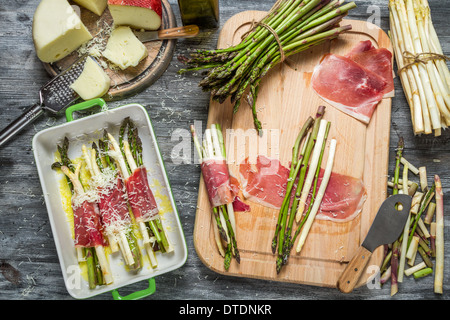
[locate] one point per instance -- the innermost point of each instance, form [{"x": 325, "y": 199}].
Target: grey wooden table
[{"x": 29, "y": 266}]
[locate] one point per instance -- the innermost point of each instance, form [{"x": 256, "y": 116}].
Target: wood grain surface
[
  {"x": 29, "y": 267},
  {"x": 285, "y": 102}
]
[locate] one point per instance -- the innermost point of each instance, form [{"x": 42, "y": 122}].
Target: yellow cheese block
[
  {"x": 124, "y": 49},
  {"x": 93, "y": 82},
  {"x": 96, "y": 6},
  {"x": 57, "y": 30}
]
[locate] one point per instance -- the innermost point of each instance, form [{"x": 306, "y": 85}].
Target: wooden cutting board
[
  {"x": 285, "y": 101},
  {"x": 128, "y": 82}
]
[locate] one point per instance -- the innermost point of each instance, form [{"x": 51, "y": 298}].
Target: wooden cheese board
[
  {"x": 285, "y": 101},
  {"x": 125, "y": 83}
]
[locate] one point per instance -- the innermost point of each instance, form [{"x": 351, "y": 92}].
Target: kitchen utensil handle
[
  {"x": 21, "y": 122},
  {"x": 138, "y": 294},
  {"x": 83, "y": 106},
  {"x": 352, "y": 273},
  {"x": 180, "y": 32}
]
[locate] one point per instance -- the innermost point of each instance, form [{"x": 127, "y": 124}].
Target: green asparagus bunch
[{"x": 290, "y": 27}]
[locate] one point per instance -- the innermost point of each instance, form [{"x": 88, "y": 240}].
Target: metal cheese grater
[{"x": 54, "y": 97}]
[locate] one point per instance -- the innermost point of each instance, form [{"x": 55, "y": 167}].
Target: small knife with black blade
[{"x": 386, "y": 228}]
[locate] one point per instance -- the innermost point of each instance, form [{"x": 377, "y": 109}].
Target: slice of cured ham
[
  {"x": 344, "y": 198},
  {"x": 264, "y": 182},
  {"x": 87, "y": 225},
  {"x": 348, "y": 86},
  {"x": 379, "y": 61},
  {"x": 114, "y": 208},
  {"x": 217, "y": 180},
  {"x": 140, "y": 196}
]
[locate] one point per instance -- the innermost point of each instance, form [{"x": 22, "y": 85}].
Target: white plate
[{"x": 84, "y": 131}]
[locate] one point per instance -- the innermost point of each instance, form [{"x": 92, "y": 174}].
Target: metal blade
[
  {"x": 389, "y": 222},
  {"x": 145, "y": 36},
  {"x": 57, "y": 94}
]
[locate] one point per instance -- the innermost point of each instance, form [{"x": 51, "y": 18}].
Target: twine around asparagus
[
  {"x": 416, "y": 58},
  {"x": 255, "y": 24}
]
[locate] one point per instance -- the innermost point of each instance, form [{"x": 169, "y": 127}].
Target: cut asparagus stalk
[
  {"x": 430, "y": 213},
  {"x": 412, "y": 250},
  {"x": 415, "y": 268},
  {"x": 423, "y": 179}
]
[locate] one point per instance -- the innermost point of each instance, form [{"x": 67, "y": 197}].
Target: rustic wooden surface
[{"x": 29, "y": 265}]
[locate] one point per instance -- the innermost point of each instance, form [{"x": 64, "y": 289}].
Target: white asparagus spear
[
  {"x": 439, "y": 269},
  {"x": 311, "y": 169},
  {"x": 320, "y": 194}
]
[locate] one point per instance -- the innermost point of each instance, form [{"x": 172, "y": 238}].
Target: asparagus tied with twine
[
  {"x": 421, "y": 63},
  {"x": 290, "y": 27}
]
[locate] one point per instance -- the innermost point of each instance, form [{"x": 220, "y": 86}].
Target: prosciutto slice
[
  {"x": 140, "y": 196},
  {"x": 379, "y": 61},
  {"x": 265, "y": 182},
  {"x": 348, "y": 87},
  {"x": 355, "y": 83},
  {"x": 217, "y": 180},
  {"x": 343, "y": 199},
  {"x": 114, "y": 208},
  {"x": 87, "y": 225}
]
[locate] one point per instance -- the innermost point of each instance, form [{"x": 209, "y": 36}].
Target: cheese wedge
[
  {"x": 93, "y": 81},
  {"x": 96, "y": 6},
  {"x": 57, "y": 30},
  {"x": 124, "y": 49},
  {"x": 140, "y": 14}
]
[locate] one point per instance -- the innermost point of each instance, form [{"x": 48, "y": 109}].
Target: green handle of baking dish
[
  {"x": 83, "y": 106},
  {"x": 138, "y": 294},
  {"x": 151, "y": 282}
]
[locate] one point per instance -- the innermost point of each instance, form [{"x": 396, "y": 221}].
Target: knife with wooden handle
[
  {"x": 189, "y": 31},
  {"x": 386, "y": 228}
]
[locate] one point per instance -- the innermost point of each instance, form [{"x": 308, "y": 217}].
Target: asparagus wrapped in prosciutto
[
  {"x": 216, "y": 176},
  {"x": 113, "y": 206},
  {"x": 128, "y": 156},
  {"x": 88, "y": 233}
]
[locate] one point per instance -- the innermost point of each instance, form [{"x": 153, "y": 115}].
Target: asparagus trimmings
[
  {"x": 419, "y": 238},
  {"x": 291, "y": 26},
  {"x": 215, "y": 174}
]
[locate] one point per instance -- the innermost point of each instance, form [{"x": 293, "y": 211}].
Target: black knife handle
[{"x": 17, "y": 125}]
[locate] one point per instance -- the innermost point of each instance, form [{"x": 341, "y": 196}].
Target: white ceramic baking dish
[{"x": 83, "y": 131}]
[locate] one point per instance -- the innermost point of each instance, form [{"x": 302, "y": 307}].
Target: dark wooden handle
[
  {"x": 351, "y": 274},
  {"x": 180, "y": 32}
]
